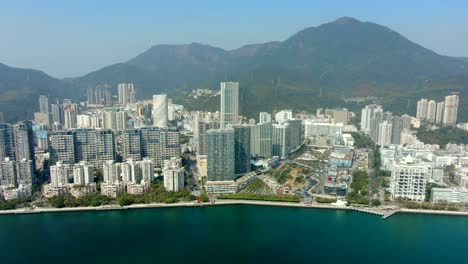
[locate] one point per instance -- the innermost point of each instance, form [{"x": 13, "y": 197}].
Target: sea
[{"x": 232, "y": 234}]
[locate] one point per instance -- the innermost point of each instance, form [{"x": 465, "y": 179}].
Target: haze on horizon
[{"x": 68, "y": 39}]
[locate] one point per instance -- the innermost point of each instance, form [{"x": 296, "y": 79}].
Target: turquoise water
[{"x": 232, "y": 234}]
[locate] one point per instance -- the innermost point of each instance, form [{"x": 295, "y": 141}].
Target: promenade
[{"x": 384, "y": 213}]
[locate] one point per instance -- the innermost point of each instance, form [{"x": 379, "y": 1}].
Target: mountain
[
  {"x": 315, "y": 67},
  {"x": 20, "y": 90}
]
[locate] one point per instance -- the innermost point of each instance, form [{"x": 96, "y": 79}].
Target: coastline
[{"x": 383, "y": 213}]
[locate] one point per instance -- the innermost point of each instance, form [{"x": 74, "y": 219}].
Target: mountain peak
[{"x": 346, "y": 20}]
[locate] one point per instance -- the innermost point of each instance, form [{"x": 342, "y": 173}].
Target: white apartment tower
[
  {"x": 173, "y": 175},
  {"x": 431, "y": 111},
  {"x": 367, "y": 114},
  {"x": 421, "y": 109},
  {"x": 440, "y": 112},
  {"x": 160, "y": 110},
  {"x": 127, "y": 94},
  {"x": 385, "y": 133},
  {"x": 451, "y": 109}
]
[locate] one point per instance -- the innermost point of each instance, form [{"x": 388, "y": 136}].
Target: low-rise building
[{"x": 448, "y": 195}]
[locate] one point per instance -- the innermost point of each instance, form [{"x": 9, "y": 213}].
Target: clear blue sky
[{"x": 68, "y": 38}]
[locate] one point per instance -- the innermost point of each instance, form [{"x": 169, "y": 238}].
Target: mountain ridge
[{"x": 315, "y": 67}]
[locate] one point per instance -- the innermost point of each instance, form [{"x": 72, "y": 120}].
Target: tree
[
  {"x": 125, "y": 199},
  {"x": 376, "y": 202},
  {"x": 57, "y": 201}
]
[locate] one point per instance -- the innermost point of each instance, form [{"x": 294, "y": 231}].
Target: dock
[{"x": 390, "y": 213}]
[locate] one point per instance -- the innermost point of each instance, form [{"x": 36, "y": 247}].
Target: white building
[
  {"x": 440, "y": 112},
  {"x": 451, "y": 109},
  {"x": 264, "y": 118},
  {"x": 313, "y": 129},
  {"x": 431, "y": 111},
  {"x": 409, "y": 179},
  {"x": 448, "y": 195},
  {"x": 127, "y": 93},
  {"x": 421, "y": 110},
  {"x": 385, "y": 133},
  {"x": 160, "y": 110},
  {"x": 283, "y": 116},
  {"x": 367, "y": 114},
  {"x": 173, "y": 175}
]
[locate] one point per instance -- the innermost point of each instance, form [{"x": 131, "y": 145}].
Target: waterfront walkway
[{"x": 385, "y": 213}]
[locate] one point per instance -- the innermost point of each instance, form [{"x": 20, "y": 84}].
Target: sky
[{"x": 71, "y": 38}]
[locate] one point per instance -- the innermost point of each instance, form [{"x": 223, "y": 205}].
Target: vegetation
[
  {"x": 325, "y": 200},
  {"x": 359, "y": 188},
  {"x": 204, "y": 197},
  {"x": 15, "y": 203},
  {"x": 427, "y": 206},
  {"x": 85, "y": 201},
  {"x": 261, "y": 197},
  {"x": 376, "y": 202},
  {"x": 443, "y": 136},
  {"x": 281, "y": 176},
  {"x": 156, "y": 194},
  {"x": 362, "y": 140},
  {"x": 256, "y": 185}
]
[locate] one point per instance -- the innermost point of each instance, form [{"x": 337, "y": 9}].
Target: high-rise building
[
  {"x": 57, "y": 113},
  {"x": 241, "y": 149},
  {"x": 281, "y": 134},
  {"x": 173, "y": 175},
  {"x": 105, "y": 147},
  {"x": 131, "y": 145},
  {"x": 127, "y": 93},
  {"x": 114, "y": 119},
  {"x": 44, "y": 104},
  {"x": 283, "y": 116},
  {"x": 160, "y": 110},
  {"x": 24, "y": 141},
  {"x": 397, "y": 128},
  {"x": 111, "y": 172},
  {"x": 295, "y": 133},
  {"x": 221, "y": 154},
  {"x": 60, "y": 174},
  {"x": 170, "y": 145},
  {"x": 201, "y": 136},
  {"x": 42, "y": 119},
  {"x": 264, "y": 118},
  {"x": 24, "y": 172},
  {"x": 84, "y": 141},
  {"x": 367, "y": 114},
  {"x": 83, "y": 174},
  {"x": 7, "y": 142},
  {"x": 70, "y": 114},
  {"x": 406, "y": 119},
  {"x": 8, "y": 173},
  {"x": 261, "y": 136},
  {"x": 229, "y": 104},
  {"x": 385, "y": 133},
  {"x": 409, "y": 180},
  {"x": 451, "y": 109},
  {"x": 63, "y": 147},
  {"x": 147, "y": 170},
  {"x": 431, "y": 111},
  {"x": 99, "y": 95},
  {"x": 2, "y": 119},
  {"x": 440, "y": 112},
  {"x": 421, "y": 109}
]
